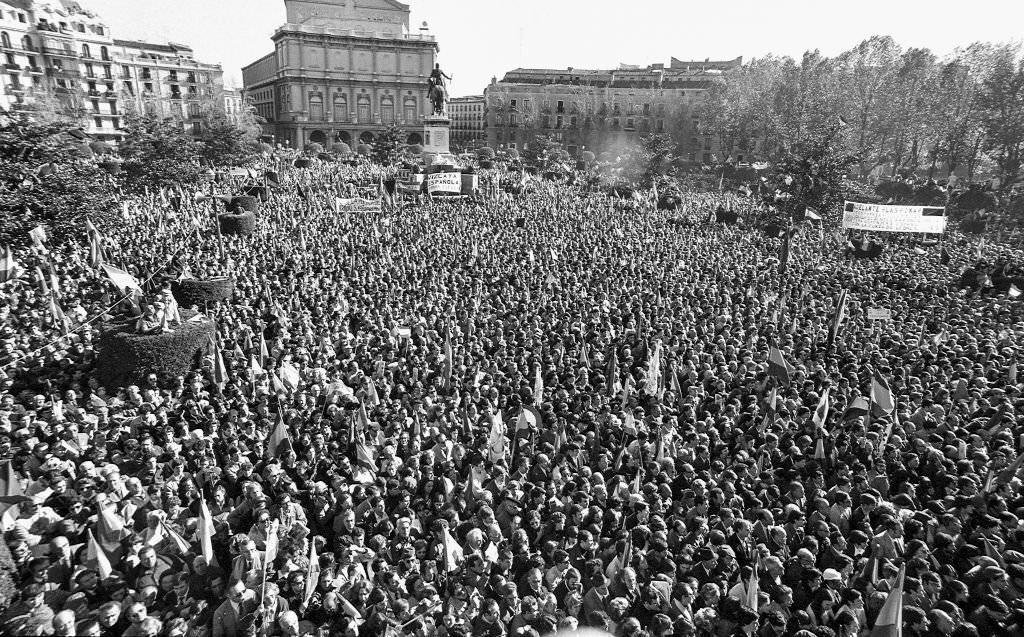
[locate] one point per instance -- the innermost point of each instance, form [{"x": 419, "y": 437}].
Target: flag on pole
[
  {"x": 123, "y": 281},
  {"x": 810, "y": 214},
  {"x": 95, "y": 245},
  {"x": 753, "y": 590},
  {"x": 838, "y": 317},
  {"x": 538, "y": 388},
  {"x": 821, "y": 412},
  {"x": 890, "y": 618},
  {"x": 496, "y": 438},
  {"x": 278, "y": 438},
  {"x": 59, "y": 317},
  {"x": 882, "y": 402},
  {"x": 95, "y": 553},
  {"x": 9, "y": 269},
  {"x": 38, "y": 237},
  {"x": 612, "y": 374},
  {"x": 1014, "y": 291},
  {"x": 778, "y": 367},
  {"x": 365, "y": 471},
  {"x": 448, "y": 364},
  {"x": 784, "y": 254},
  {"x": 175, "y": 537},
  {"x": 205, "y": 533},
  {"x": 220, "y": 371},
  {"x": 273, "y": 544},
  {"x": 312, "y": 573},
  {"x": 653, "y": 381}
]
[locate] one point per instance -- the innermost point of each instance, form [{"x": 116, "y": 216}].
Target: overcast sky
[{"x": 484, "y": 38}]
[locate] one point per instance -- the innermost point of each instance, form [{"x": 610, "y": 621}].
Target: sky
[{"x": 480, "y": 39}]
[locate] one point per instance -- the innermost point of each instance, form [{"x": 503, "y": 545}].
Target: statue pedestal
[{"x": 436, "y": 133}]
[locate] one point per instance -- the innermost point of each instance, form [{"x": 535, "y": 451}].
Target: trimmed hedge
[
  {"x": 242, "y": 203},
  {"x": 242, "y": 225},
  {"x": 8, "y": 577},
  {"x": 303, "y": 162},
  {"x": 125, "y": 357},
  {"x": 196, "y": 292},
  {"x": 259, "y": 192}
]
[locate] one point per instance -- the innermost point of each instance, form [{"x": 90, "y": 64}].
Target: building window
[
  {"x": 150, "y": 108},
  {"x": 5, "y": 40},
  {"x": 193, "y": 110},
  {"x": 176, "y": 110},
  {"x": 126, "y": 72},
  {"x": 512, "y": 103},
  {"x": 387, "y": 109},
  {"x": 104, "y": 54},
  {"x": 409, "y": 110},
  {"x": 316, "y": 108},
  {"x": 363, "y": 109},
  {"x": 95, "y": 106},
  {"x": 558, "y": 121},
  {"x": 197, "y": 128},
  {"x": 26, "y": 43},
  {"x": 99, "y": 31},
  {"x": 340, "y": 107},
  {"x": 560, "y": 107},
  {"x": 98, "y": 121},
  {"x": 85, "y": 51}
]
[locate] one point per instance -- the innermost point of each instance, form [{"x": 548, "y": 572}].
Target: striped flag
[
  {"x": 278, "y": 437},
  {"x": 312, "y": 573},
  {"x": 59, "y": 317},
  {"x": 778, "y": 367},
  {"x": 123, "y": 281},
  {"x": 9, "y": 269},
  {"x": 612, "y": 374},
  {"x": 882, "y": 401},
  {"x": 38, "y": 237},
  {"x": 205, "y": 533},
  {"x": 890, "y": 618},
  {"x": 838, "y": 317},
  {"x": 97, "y": 554},
  {"x": 496, "y": 438},
  {"x": 178, "y": 541},
  {"x": 538, "y": 389},
  {"x": 821, "y": 413},
  {"x": 753, "y": 590},
  {"x": 365, "y": 471}
]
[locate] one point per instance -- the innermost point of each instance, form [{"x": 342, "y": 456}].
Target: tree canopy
[
  {"x": 158, "y": 153},
  {"x": 46, "y": 179}
]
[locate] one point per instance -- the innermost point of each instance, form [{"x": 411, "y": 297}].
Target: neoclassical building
[{"x": 342, "y": 70}]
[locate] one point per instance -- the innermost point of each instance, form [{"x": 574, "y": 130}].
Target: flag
[
  {"x": 653, "y": 381},
  {"x": 448, "y": 364},
  {"x": 179, "y": 542},
  {"x": 289, "y": 376},
  {"x": 273, "y": 544},
  {"x": 496, "y": 438},
  {"x": 9, "y": 268},
  {"x": 778, "y": 367},
  {"x": 44, "y": 288},
  {"x": 890, "y": 619},
  {"x": 584, "y": 356},
  {"x": 123, "y": 281},
  {"x": 271, "y": 178},
  {"x": 1011, "y": 373},
  {"x": 264, "y": 352},
  {"x": 882, "y": 403},
  {"x": 59, "y": 317},
  {"x": 753, "y": 590},
  {"x": 623, "y": 560},
  {"x": 365, "y": 471},
  {"x": 220, "y": 371},
  {"x": 1014, "y": 291},
  {"x": 838, "y": 317},
  {"x": 857, "y": 408},
  {"x": 312, "y": 573},
  {"x": 812, "y": 215},
  {"x": 38, "y": 237},
  {"x": 538, "y": 389},
  {"x": 784, "y": 254},
  {"x": 612, "y": 372},
  {"x": 97, "y": 554},
  {"x": 821, "y": 412},
  {"x": 95, "y": 245},
  {"x": 205, "y": 533},
  {"x": 278, "y": 437},
  {"x": 453, "y": 555}
]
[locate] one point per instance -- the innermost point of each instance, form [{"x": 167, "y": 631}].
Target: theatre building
[{"x": 342, "y": 70}]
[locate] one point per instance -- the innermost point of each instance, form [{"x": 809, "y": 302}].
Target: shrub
[
  {"x": 242, "y": 203},
  {"x": 242, "y": 225},
  {"x": 259, "y": 192},
  {"x": 512, "y": 153},
  {"x": 485, "y": 152},
  {"x": 341, "y": 148},
  {"x": 416, "y": 149},
  {"x": 364, "y": 149},
  {"x": 303, "y": 162},
  {"x": 314, "y": 148},
  {"x": 587, "y": 156},
  {"x": 199, "y": 293},
  {"x": 126, "y": 357}
]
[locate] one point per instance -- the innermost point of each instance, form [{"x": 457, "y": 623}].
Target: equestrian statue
[{"x": 437, "y": 92}]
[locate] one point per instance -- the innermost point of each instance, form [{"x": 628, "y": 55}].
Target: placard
[
  {"x": 879, "y": 313},
  {"x": 450, "y": 183},
  {"x": 881, "y": 218}
]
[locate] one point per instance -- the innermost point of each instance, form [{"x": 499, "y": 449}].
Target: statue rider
[
  {"x": 437, "y": 76},
  {"x": 436, "y": 81}
]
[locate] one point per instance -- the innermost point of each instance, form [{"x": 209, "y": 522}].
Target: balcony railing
[
  {"x": 67, "y": 53},
  {"x": 12, "y": 67},
  {"x": 35, "y": 70}
]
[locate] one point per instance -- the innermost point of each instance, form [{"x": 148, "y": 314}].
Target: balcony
[
  {"x": 176, "y": 96},
  {"x": 35, "y": 70},
  {"x": 62, "y": 72},
  {"x": 12, "y": 67},
  {"x": 64, "y": 53},
  {"x": 87, "y": 56},
  {"x": 30, "y": 47},
  {"x": 93, "y": 93},
  {"x": 91, "y": 75},
  {"x": 17, "y": 89},
  {"x": 110, "y": 95}
]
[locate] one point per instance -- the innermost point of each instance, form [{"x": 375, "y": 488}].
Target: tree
[
  {"x": 387, "y": 146},
  {"x": 648, "y": 159},
  {"x": 1002, "y": 114},
  {"x": 44, "y": 180},
  {"x": 541, "y": 150},
  {"x": 225, "y": 143},
  {"x": 157, "y": 153}
]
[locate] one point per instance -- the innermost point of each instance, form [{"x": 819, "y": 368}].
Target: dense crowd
[{"x": 513, "y": 417}]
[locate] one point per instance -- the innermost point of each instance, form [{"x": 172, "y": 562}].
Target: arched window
[
  {"x": 409, "y": 110},
  {"x": 85, "y": 51},
  {"x": 26, "y": 43},
  {"x": 104, "y": 54},
  {"x": 316, "y": 107},
  {"x": 387, "y": 109},
  {"x": 193, "y": 110},
  {"x": 5, "y": 40},
  {"x": 363, "y": 109},
  {"x": 340, "y": 107}
]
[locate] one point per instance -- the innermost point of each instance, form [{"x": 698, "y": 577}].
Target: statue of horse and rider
[{"x": 437, "y": 92}]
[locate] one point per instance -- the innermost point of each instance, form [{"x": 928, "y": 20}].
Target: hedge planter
[
  {"x": 202, "y": 293},
  {"x": 112, "y": 167},
  {"x": 259, "y": 192},
  {"x": 303, "y": 162},
  {"x": 242, "y": 203},
  {"x": 241, "y": 225},
  {"x": 126, "y": 357}
]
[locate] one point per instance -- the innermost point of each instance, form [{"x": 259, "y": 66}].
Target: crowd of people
[{"x": 509, "y": 418}]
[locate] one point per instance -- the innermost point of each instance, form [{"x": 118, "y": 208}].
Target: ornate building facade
[
  {"x": 60, "y": 56},
  {"x": 342, "y": 71},
  {"x": 468, "y": 122},
  {"x": 604, "y": 110}
]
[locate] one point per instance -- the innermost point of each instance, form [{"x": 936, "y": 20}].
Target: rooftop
[{"x": 170, "y": 47}]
